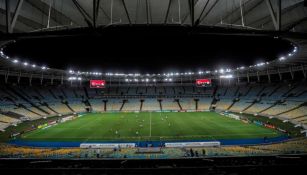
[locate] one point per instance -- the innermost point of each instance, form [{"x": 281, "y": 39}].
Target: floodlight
[
  {"x": 226, "y": 76},
  {"x": 15, "y": 61}
]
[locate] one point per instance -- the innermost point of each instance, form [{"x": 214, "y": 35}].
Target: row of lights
[
  {"x": 221, "y": 71},
  {"x": 140, "y": 80},
  {"x": 74, "y": 78},
  {"x": 289, "y": 54},
  {"x": 16, "y": 61}
]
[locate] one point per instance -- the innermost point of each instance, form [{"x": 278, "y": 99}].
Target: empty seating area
[
  {"x": 204, "y": 103},
  {"x": 151, "y": 104},
  {"x": 224, "y": 104},
  {"x": 263, "y": 99},
  {"x": 187, "y": 103},
  {"x": 170, "y": 104},
  {"x": 132, "y": 105}
]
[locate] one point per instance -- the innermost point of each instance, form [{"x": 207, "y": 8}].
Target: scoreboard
[
  {"x": 97, "y": 83},
  {"x": 203, "y": 82}
]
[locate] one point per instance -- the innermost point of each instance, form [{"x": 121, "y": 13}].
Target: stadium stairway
[
  {"x": 249, "y": 106},
  {"x": 50, "y": 108},
  {"x": 27, "y": 99},
  {"x": 274, "y": 90},
  {"x": 178, "y": 102},
  {"x": 123, "y": 104},
  {"x": 67, "y": 104},
  {"x": 11, "y": 114},
  {"x": 196, "y": 104},
  {"x": 286, "y": 94},
  {"x": 260, "y": 92},
  {"x": 233, "y": 103},
  {"x": 236, "y": 94},
  {"x": 304, "y": 104},
  {"x": 53, "y": 95},
  {"x": 160, "y": 104},
  {"x": 274, "y": 104},
  {"x": 30, "y": 110},
  {"x": 64, "y": 94},
  {"x": 105, "y": 105},
  {"x": 247, "y": 92},
  {"x": 86, "y": 92},
  {"x": 141, "y": 106}
]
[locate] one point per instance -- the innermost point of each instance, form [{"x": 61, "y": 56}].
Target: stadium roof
[
  {"x": 38, "y": 15},
  {"x": 284, "y": 19}
]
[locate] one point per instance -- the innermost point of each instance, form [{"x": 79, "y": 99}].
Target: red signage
[
  {"x": 97, "y": 83},
  {"x": 203, "y": 82}
]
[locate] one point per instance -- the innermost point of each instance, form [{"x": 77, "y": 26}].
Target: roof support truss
[
  {"x": 167, "y": 12},
  {"x": 8, "y": 15},
  {"x": 95, "y": 11},
  {"x": 16, "y": 13},
  {"x": 210, "y": 9},
  {"x": 191, "y": 7},
  {"x": 275, "y": 18},
  {"x": 126, "y": 10},
  {"x": 85, "y": 15},
  {"x": 201, "y": 13},
  {"x": 11, "y": 22}
]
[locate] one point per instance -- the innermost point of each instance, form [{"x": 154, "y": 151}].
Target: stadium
[{"x": 153, "y": 86}]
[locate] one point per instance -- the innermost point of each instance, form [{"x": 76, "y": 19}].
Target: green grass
[{"x": 150, "y": 126}]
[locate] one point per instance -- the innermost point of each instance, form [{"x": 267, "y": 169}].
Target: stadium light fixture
[
  {"x": 226, "y": 76},
  {"x": 260, "y": 64},
  {"x": 25, "y": 64},
  {"x": 43, "y": 67},
  {"x": 15, "y": 61},
  {"x": 282, "y": 58},
  {"x": 33, "y": 65}
]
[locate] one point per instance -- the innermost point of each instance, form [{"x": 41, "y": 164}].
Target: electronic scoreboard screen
[
  {"x": 97, "y": 83},
  {"x": 203, "y": 82}
]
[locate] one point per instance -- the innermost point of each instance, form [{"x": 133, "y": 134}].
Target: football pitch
[{"x": 150, "y": 126}]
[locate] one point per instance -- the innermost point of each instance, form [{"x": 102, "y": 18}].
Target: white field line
[{"x": 187, "y": 136}]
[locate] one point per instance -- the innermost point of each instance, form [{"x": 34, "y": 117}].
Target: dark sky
[{"x": 148, "y": 52}]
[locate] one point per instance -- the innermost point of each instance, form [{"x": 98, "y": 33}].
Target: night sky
[{"x": 143, "y": 51}]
